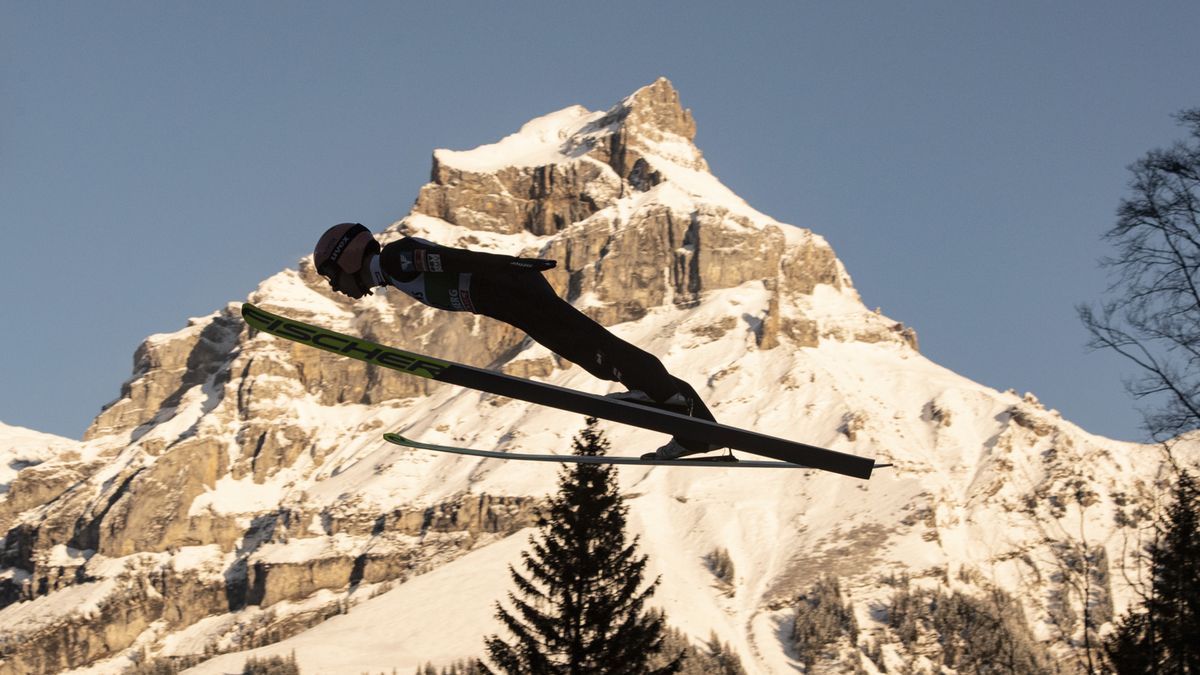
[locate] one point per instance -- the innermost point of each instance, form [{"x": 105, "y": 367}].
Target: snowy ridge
[
  {"x": 21, "y": 448},
  {"x": 550, "y": 139}
]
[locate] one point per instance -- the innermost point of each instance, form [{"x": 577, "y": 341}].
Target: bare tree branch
[{"x": 1153, "y": 315}]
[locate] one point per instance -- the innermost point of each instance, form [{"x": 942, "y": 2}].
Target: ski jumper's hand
[{"x": 533, "y": 264}]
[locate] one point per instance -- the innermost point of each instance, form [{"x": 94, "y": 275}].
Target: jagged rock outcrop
[
  {"x": 165, "y": 368},
  {"x": 547, "y": 198}
]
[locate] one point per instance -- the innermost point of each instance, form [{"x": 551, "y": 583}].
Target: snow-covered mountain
[
  {"x": 21, "y": 448},
  {"x": 237, "y": 498}
]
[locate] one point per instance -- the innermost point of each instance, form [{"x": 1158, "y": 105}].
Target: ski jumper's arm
[{"x": 411, "y": 256}]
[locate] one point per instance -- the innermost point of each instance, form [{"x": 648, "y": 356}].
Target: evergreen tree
[
  {"x": 713, "y": 658},
  {"x": 973, "y": 634},
  {"x": 1160, "y": 637},
  {"x": 271, "y": 665},
  {"x": 722, "y": 660},
  {"x": 1127, "y": 648},
  {"x": 460, "y": 667},
  {"x": 721, "y": 565},
  {"x": 580, "y": 605},
  {"x": 822, "y": 617}
]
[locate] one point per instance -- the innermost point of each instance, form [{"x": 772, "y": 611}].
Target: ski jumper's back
[{"x": 440, "y": 276}]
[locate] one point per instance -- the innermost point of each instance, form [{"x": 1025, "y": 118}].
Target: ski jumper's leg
[
  {"x": 698, "y": 409},
  {"x": 527, "y": 301}
]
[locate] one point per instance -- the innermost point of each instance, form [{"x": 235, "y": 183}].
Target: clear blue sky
[{"x": 159, "y": 159}]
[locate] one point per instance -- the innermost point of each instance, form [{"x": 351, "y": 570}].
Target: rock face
[
  {"x": 238, "y": 482},
  {"x": 545, "y": 199}
]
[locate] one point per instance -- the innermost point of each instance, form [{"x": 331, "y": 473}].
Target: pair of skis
[{"x": 791, "y": 454}]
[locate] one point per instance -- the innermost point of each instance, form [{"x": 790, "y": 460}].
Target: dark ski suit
[{"x": 514, "y": 291}]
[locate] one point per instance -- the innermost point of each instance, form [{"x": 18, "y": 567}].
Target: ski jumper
[{"x": 514, "y": 291}]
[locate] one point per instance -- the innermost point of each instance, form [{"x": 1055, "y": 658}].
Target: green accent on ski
[
  {"x": 344, "y": 345},
  {"x": 554, "y": 396},
  {"x": 712, "y": 463}
]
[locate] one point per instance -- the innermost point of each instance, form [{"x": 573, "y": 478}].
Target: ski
[
  {"x": 541, "y": 393},
  {"x": 724, "y": 462}
]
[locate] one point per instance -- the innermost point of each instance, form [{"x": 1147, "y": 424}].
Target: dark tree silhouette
[
  {"x": 1160, "y": 635},
  {"x": 579, "y": 606}
]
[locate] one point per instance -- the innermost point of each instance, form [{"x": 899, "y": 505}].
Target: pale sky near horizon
[{"x": 159, "y": 159}]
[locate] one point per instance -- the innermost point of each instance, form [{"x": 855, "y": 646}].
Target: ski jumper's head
[{"x": 343, "y": 255}]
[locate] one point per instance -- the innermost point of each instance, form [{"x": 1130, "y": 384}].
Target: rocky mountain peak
[
  {"x": 656, "y": 107},
  {"x": 238, "y": 491},
  {"x": 653, "y": 121},
  {"x": 563, "y": 167}
]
